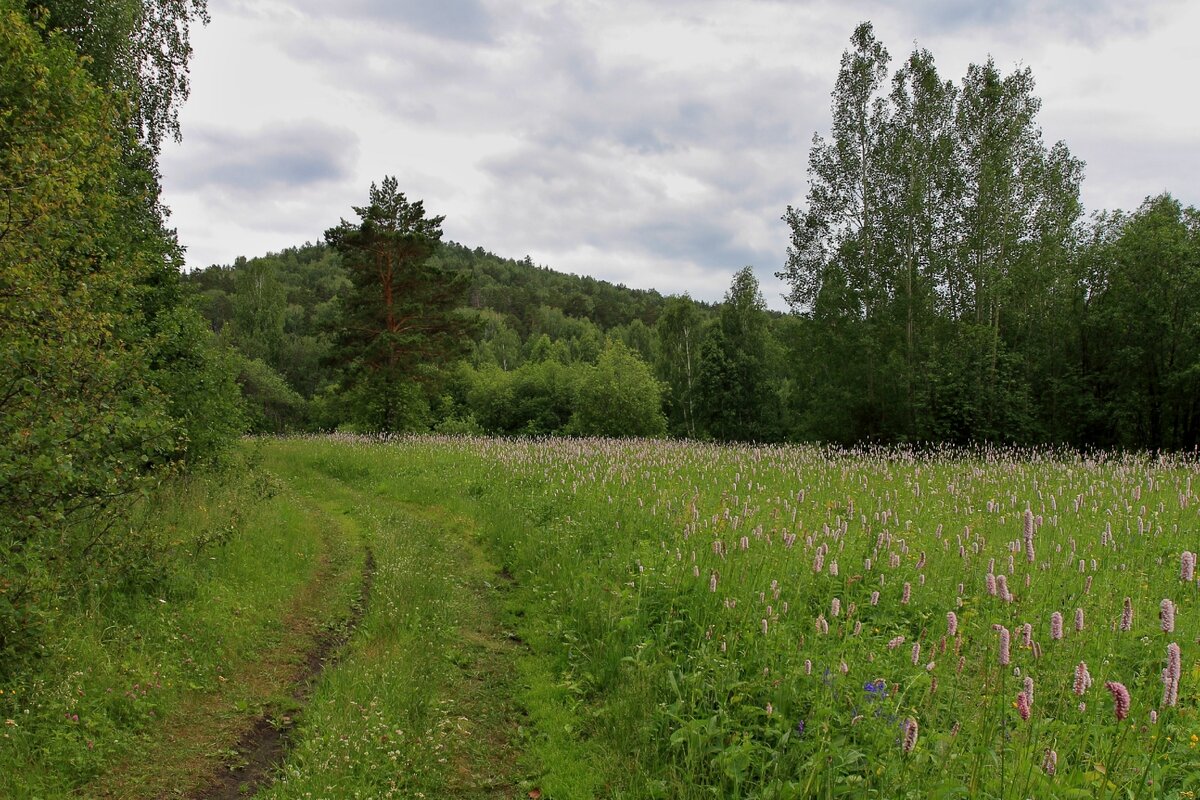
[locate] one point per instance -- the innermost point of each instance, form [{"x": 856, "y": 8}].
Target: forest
[{"x": 945, "y": 286}]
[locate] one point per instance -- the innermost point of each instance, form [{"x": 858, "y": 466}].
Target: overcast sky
[{"x": 654, "y": 144}]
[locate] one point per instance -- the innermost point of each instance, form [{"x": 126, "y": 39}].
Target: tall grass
[
  {"x": 693, "y": 621},
  {"x": 684, "y": 597}
]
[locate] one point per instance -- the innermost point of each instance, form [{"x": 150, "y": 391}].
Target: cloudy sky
[{"x": 653, "y": 143}]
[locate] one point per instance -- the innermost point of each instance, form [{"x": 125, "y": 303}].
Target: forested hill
[
  {"x": 946, "y": 285},
  {"x": 518, "y": 288},
  {"x": 282, "y": 312},
  {"x": 311, "y": 275}
]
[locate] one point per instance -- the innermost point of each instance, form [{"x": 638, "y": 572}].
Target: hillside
[{"x": 282, "y": 311}]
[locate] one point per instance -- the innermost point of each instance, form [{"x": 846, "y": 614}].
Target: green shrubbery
[{"x": 108, "y": 379}]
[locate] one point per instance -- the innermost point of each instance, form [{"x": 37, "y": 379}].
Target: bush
[{"x": 619, "y": 397}]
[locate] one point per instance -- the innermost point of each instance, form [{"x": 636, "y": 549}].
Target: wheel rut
[{"x": 262, "y": 749}]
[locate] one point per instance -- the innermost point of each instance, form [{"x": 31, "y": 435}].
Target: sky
[{"x": 652, "y": 143}]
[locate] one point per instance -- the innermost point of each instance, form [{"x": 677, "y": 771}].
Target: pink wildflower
[
  {"x": 1127, "y": 615},
  {"x": 1120, "y": 699},
  {"x": 1029, "y": 553},
  {"x": 1056, "y": 626},
  {"x": 910, "y": 735},
  {"x": 951, "y": 623},
  {"x": 1023, "y": 705},
  {"x": 1083, "y": 678},
  {"x": 1171, "y": 676},
  {"x": 1166, "y": 613}
]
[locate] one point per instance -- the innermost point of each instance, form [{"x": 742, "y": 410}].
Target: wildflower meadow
[
  {"x": 600, "y": 618},
  {"x": 809, "y": 622}
]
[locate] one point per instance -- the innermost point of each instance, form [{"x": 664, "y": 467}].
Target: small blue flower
[{"x": 800, "y": 728}]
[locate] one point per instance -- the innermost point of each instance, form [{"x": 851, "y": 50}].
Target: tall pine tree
[{"x": 400, "y": 322}]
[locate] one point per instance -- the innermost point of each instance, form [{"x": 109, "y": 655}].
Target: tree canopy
[
  {"x": 619, "y": 396},
  {"x": 936, "y": 225}
]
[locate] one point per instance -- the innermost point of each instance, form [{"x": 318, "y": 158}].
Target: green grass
[
  {"x": 423, "y": 704},
  {"x": 640, "y": 681},
  {"x": 578, "y": 619},
  {"x": 120, "y": 665}
]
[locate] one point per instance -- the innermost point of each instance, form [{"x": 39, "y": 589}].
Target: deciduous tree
[{"x": 619, "y": 396}]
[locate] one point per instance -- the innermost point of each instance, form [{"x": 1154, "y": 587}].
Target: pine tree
[{"x": 400, "y": 322}]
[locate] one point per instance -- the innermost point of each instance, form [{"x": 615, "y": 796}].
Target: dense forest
[
  {"x": 530, "y": 336},
  {"x": 110, "y": 379},
  {"x": 952, "y": 290}
]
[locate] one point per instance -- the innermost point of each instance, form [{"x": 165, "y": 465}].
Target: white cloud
[{"x": 652, "y": 143}]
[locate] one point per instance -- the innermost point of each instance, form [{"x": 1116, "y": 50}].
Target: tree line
[
  {"x": 1097, "y": 348},
  {"x": 944, "y": 284},
  {"x": 951, "y": 289}
]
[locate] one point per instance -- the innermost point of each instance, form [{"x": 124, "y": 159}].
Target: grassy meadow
[
  {"x": 773, "y": 622},
  {"x": 641, "y": 619}
]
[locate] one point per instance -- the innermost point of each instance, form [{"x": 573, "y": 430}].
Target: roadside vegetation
[{"x": 151, "y": 684}]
